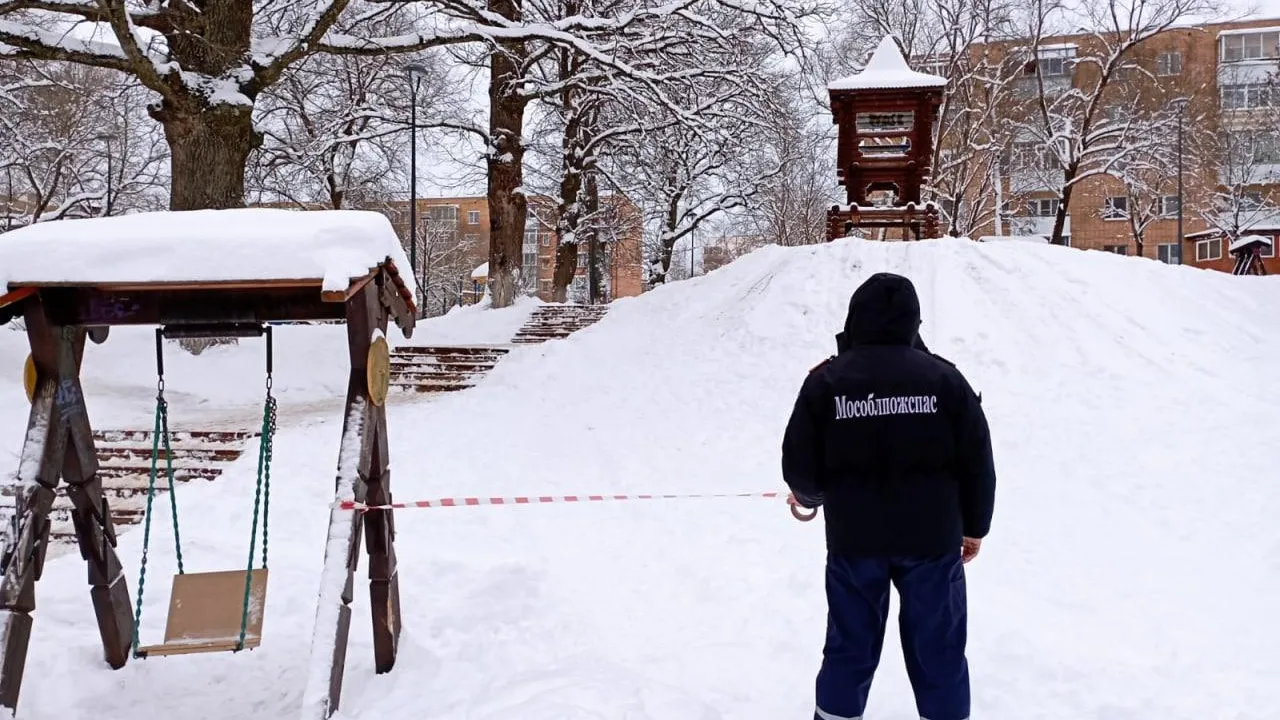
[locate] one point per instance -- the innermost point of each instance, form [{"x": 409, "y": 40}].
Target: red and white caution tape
[{"x": 541, "y": 499}]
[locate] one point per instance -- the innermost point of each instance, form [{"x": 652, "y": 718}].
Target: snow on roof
[
  {"x": 1246, "y": 240},
  {"x": 887, "y": 70},
  {"x": 334, "y": 246},
  {"x": 1250, "y": 31},
  {"x": 480, "y": 272}
]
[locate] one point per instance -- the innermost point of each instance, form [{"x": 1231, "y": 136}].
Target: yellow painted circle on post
[
  {"x": 378, "y": 370},
  {"x": 29, "y": 378}
]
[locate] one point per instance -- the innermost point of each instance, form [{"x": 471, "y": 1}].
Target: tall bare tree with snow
[
  {"x": 335, "y": 129},
  {"x": 207, "y": 62},
  {"x": 74, "y": 142},
  {"x": 1080, "y": 122}
]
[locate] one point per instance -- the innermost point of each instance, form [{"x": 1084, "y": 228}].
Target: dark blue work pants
[{"x": 932, "y": 623}]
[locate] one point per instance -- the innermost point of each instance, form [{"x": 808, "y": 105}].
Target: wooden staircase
[
  {"x": 553, "y": 322},
  {"x": 442, "y": 368},
  {"x": 124, "y": 465}
]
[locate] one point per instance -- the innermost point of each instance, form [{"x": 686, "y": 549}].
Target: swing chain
[
  {"x": 163, "y": 406},
  {"x": 268, "y": 452},
  {"x": 159, "y": 430},
  {"x": 262, "y": 493}
]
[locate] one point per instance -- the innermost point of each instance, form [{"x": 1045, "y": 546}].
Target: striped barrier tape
[
  {"x": 543, "y": 499},
  {"x": 540, "y": 499}
]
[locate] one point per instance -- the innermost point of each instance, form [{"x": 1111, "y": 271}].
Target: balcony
[
  {"x": 1036, "y": 225},
  {"x": 1027, "y": 87},
  {"x": 1028, "y": 180}
]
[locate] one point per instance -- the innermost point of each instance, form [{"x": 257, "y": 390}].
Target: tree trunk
[
  {"x": 507, "y": 203},
  {"x": 569, "y": 211},
  {"x": 566, "y": 268},
  {"x": 209, "y": 147},
  {"x": 662, "y": 266},
  {"x": 1060, "y": 219},
  {"x": 594, "y": 256}
]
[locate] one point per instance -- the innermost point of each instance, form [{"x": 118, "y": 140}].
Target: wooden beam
[
  {"x": 342, "y": 296},
  {"x": 11, "y": 303},
  {"x": 16, "y": 296},
  {"x": 91, "y": 306}
]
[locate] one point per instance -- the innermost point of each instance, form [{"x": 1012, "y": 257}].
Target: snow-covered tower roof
[
  {"x": 888, "y": 70},
  {"x": 884, "y": 154}
]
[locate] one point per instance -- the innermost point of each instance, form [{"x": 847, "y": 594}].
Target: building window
[
  {"x": 1246, "y": 96},
  {"x": 1258, "y": 147},
  {"x": 1209, "y": 250},
  {"x": 1250, "y": 46},
  {"x": 1269, "y": 251},
  {"x": 1170, "y": 253},
  {"x": 1167, "y": 206},
  {"x": 545, "y": 263},
  {"x": 1055, "y": 66},
  {"x": 1169, "y": 63},
  {"x": 443, "y": 217},
  {"x": 529, "y": 254},
  {"x": 582, "y": 260},
  {"x": 1116, "y": 208},
  {"x": 1043, "y": 207},
  {"x": 546, "y": 240},
  {"x": 1117, "y": 249},
  {"x": 473, "y": 217}
]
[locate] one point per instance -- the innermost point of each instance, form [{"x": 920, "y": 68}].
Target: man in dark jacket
[{"x": 892, "y": 442}]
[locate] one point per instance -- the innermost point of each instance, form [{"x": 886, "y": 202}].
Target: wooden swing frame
[{"x": 59, "y": 447}]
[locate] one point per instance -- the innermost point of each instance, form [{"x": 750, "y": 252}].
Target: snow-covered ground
[{"x": 1132, "y": 572}]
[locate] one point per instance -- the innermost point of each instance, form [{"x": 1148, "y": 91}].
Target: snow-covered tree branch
[{"x": 74, "y": 143}]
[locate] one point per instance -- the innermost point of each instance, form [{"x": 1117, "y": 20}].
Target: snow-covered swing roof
[
  {"x": 330, "y": 248},
  {"x": 1246, "y": 240},
  {"x": 888, "y": 70}
]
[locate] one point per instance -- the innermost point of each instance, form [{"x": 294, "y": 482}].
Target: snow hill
[{"x": 1132, "y": 572}]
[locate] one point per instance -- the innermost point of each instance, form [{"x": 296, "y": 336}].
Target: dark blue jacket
[{"x": 890, "y": 439}]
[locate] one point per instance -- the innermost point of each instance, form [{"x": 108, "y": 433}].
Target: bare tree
[
  {"x": 649, "y": 53},
  {"x": 334, "y": 129},
  {"x": 73, "y": 144},
  {"x": 1247, "y": 164},
  {"x": 791, "y": 209},
  {"x": 1079, "y": 116},
  {"x": 208, "y": 74}
]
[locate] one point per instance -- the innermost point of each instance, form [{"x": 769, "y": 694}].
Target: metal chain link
[
  {"x": 173, "y": 497},
  {"x": 261, "y": 499}
]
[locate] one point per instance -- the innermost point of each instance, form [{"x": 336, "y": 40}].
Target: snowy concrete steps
[
  {"x": 442, "y": 368},
  {"x": 553, "y": 322},
  {"x": 124, "y": 466}
]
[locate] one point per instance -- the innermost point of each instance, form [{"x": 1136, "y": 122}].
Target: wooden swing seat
[{"x": 205, "y": 610}]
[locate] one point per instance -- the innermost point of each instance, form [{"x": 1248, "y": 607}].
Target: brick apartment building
[{"x": 1226, "y": 72}]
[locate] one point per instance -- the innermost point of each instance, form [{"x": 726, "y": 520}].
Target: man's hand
[
  {"x": 969, "y": 548},
  {"x": 800, "y": 512}
]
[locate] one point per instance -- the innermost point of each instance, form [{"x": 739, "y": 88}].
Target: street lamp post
[
  {"x": 107, "y": 138},
  {"x": 1181, "y": 106},
  {"x": 413, "y": 70}
]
